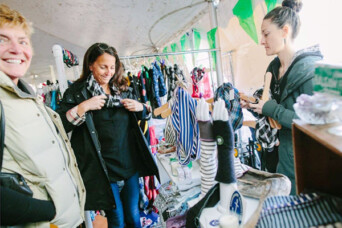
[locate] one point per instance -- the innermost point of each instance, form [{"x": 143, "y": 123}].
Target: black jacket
[{"x": 87, "y": 149}]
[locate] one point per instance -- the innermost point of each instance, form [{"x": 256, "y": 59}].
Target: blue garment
[
  {"x": 53, "y": 104},
  {"x": 186, "y": 127},
  {"x": 158, "y": 78},
  {"x": 232, "y": 105},
  {"x": 127, "y": 210},
  {"x": 304, "y": 210}
]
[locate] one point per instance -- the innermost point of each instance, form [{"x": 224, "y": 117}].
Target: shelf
[{"x": 318, "y": 158}]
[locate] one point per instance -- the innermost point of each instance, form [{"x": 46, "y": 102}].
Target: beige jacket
[{"x": 37, "y": 147}]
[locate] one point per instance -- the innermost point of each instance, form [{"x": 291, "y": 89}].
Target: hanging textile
[
  {"x": 196, "y": 76},
  {"x": 271, "y": 4},
  {"x": 184, "y": 41},
  {"x": 186, "y": 127},
  {"x": 135, "y": 85},
  {"x": 201, "y": 86},
  {"x": 231, "y": 97},
  {"x": 244, "y": 12},
  {"x": 165, "y": 51},
  {"x": 212, "y": 44},
  {"x": 142, "y": 87},
  {"x": 69, "y": 58},
  {"x": 174, "y": 48}
]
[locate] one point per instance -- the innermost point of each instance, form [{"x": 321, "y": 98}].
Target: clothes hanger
[{"x": 249, "y": 123}]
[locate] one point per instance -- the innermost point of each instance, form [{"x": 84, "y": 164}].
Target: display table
[
  {"x": 318, "y": 158},
  {"x": 163, "y": 161}
]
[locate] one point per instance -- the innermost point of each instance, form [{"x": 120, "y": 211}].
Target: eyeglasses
[{"x": 105, "y": 47}]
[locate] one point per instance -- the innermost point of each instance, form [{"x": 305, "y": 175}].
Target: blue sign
[
  {"x": 214, "y": 222},
  {"x": 236, "y": 205}
]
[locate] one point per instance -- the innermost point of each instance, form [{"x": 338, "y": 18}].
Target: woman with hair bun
[{"x": 292, "y": 75}]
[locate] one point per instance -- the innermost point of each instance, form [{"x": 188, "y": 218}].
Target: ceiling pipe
[{"x": 213, "y": 4}]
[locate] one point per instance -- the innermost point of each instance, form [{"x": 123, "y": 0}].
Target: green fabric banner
[
  {"x": 174, "y": 48},
  {"x": 244, "y": 12},
  {"x": 184, "y": 41},
  {"x": 212, "y": 44},
  {"x": 271, "y": 4},
  {"x": 197, "y": 39},
  {"x": 165, "y": 51}
]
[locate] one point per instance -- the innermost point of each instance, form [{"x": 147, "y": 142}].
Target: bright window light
[{"x": 322, "y": 24}]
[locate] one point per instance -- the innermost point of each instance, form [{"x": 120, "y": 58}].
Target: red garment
[{"x": 153, "y": 139}]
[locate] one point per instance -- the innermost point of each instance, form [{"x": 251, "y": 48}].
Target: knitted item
[
  {"x": 208, "y": 166},
  {"x": 224, "y": 134},
  {"x": 206, "y": 131}
]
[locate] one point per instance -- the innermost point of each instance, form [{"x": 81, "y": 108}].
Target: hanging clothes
[
  {"x": 143, "y": 94},
  {"x": 231, "y": 97},
  {"x": 186, "y": 126},
  {"x": 135, "y": 85},
  {"x": 171, "y": 81},
  {"x": 201, "y": 86},
  {"x": 196, "y": 76}
]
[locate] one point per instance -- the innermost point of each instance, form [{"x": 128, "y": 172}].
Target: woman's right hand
[
  {"x": 243, "y": 103},
  {"x": 94, "y": 103}
]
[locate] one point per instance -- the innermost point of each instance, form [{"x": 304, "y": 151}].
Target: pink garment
[
  {"x": 153, "y": 139},
  {"x": 207, "y": 91},
  {"x": 201, "y": 84}
]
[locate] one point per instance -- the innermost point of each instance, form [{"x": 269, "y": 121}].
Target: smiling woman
[
  {"x": 110, "y": 148},
  {"x": 15, "y": 47},
  {"x": 37, "y": 153}
]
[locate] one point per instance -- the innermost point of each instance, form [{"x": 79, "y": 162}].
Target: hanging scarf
[
  {"x": 95, "y": 89},
  {"x": 186, "y": 127},
  {"x": 231, "y": 97}
]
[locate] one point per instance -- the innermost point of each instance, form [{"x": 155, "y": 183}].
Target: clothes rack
[{"x": 167, "y": 53}]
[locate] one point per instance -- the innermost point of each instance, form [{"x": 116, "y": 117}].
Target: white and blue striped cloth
[
  {"x": 304, "y": 210},
  {"x": 186, "y": 127}
]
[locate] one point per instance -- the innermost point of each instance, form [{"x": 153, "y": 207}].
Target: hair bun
[{"x": 296, "y": 5}]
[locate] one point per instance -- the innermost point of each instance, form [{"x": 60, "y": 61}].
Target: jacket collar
[
  {"x": 296, "y": 78},
  {"x": 8, "y": 84}
]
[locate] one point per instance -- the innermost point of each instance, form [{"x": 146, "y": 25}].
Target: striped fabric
[
  {"x": 208, "y": 166},
  {"x": 186, "y": 126},
  {"x": 170, "y": 136},
  {"x": 240, "y": 168},
  {"x": 74, "y": 118},
  {"x": 304, "y": 210}
]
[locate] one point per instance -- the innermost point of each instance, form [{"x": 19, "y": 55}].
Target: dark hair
[
  {"x": 91, "y": 55},
  {"x": 287, "y": 14}
]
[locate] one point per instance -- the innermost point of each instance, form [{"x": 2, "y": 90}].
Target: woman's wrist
[{"x": 82, "y": 109}]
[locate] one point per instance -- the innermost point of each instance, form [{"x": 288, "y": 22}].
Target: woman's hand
[
  {"x": 243, "y": 103},
  {"x": 94, "y": 103},
  {"x": 132, "y": 105},
  {"x": 257, "y": 107}
]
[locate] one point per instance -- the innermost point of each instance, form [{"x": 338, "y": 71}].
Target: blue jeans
[{"x": 127, "y": 200}]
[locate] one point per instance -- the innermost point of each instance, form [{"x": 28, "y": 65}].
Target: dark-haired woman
[
  {"x": 292, "y": 75},
  {"x": 110, "y": 148}
]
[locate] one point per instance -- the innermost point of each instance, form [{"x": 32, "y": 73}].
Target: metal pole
[
  {"x": 168, "y": 53},
  {"x": 214, "y": 24}
]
